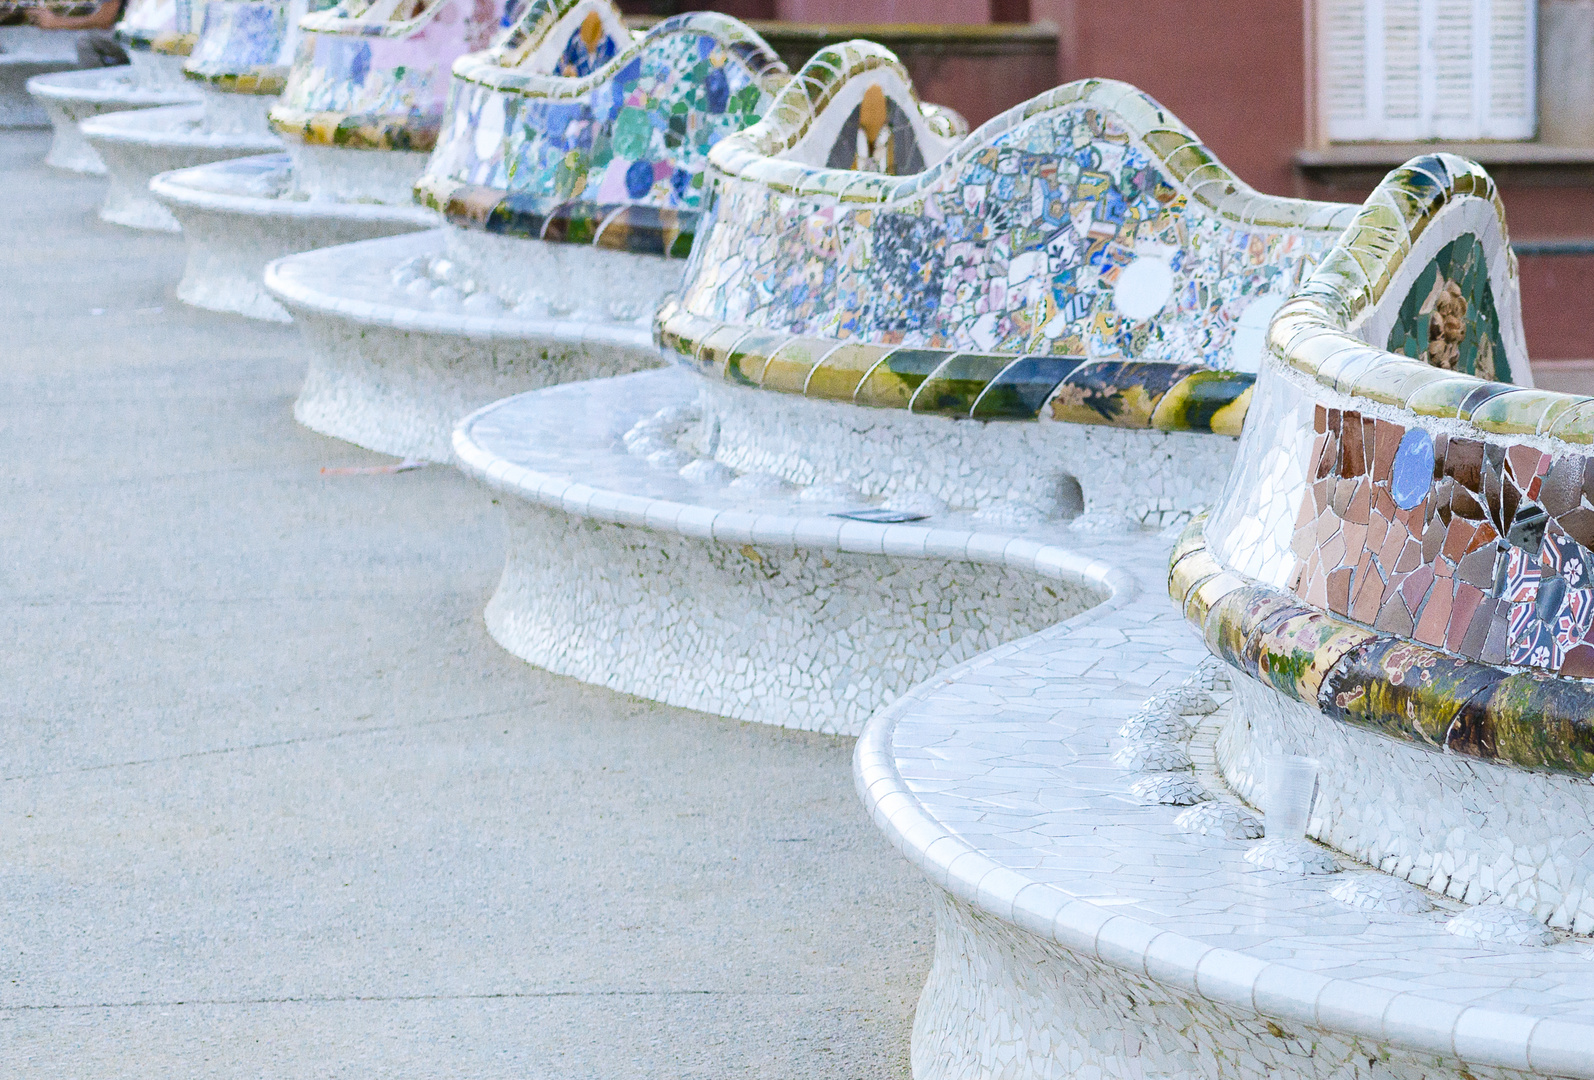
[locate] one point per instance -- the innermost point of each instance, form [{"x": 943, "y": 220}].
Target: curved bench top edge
[
  {"x": 1011, "y": 549},
  {"x": 961, "y": 869},
  {"x": 768, "y": 71},
  {"x": 1311, "y": 331},
  {"x": 749, "y": 155}
]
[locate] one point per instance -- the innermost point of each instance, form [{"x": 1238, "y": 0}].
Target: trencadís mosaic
[
  {"x": 1406, "y": 545},
  {"x": 188, "y": 16},
  {"x": 1448, "y": 319},
  {"x": 144, "y": 22},
  {"x": 1079, "y": 258},
  {"x": 1384, "y": 681},
  {"x": 248, "y": 46},
  {"x": 376, "y": 76},
  {"x": 614, "y": 157}
]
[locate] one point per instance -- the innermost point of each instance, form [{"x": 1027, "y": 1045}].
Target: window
[{"x": 1407, "y": 70}]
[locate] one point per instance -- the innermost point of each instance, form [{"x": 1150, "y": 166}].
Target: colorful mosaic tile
[
  {"x": 588, "y": 49},
  {"x": 615, "y": 157},
  {"x": 878, "y": 137},
  {"x": 1475, "y": 547},
  {"x": 145, "y": 21},
  {"x": 1452, "y": 321},
  {"x": 1457, "y": 557},
  {"x": 247, "y": 46},
  {"x": 1448, "y": 319},
  {"x": 1066, "y": 262},
  {"x": 1384, "y": 681},
  {"x": 188, "y": 17},
  {"x": 374, "y": 83},
  {"x": 1479, "y": 549}
]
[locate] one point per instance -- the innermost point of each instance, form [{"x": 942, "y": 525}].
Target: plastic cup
[{"x": 1287, "y": 798}]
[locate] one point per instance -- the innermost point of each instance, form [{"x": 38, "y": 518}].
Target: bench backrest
[
  {"x": 375, "y": 75},
  {"x": 1407, "y": 541},
  {"x": 248, "y": 46},
  {"x": 568, "y": 131},
  {"x": 1081, "y": 257}
]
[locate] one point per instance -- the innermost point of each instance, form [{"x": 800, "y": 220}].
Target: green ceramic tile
[
  {"x": 745, "y": 362},
  {"x": 952, "y": 389},
  {"x": 1442, "y": 398},
  {"x": 838, "y": 376},
  {"x": 891, "y": 384},
  {"x": 787, "y": 370}
]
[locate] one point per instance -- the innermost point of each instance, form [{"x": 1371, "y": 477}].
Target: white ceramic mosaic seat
[
  {"x": 836, "y": 492},
  {"x": 28, "y": 51},
  {"x": 568, "y": 169},
  {"x": 359, "y": 114},
  {"x": 1077, "y": 796},
  {"x": 149, "y": 80},
  {"x": 238, "y": 62}
]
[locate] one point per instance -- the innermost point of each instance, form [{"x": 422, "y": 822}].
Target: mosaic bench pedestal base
[
  {"x": 1087, "y": 929},
  {"x": 1473, "y": 830},
  {"x": 70, "y": 97},
  {"x": 26, "y": 52},
  {"x": 398, "y": 357},
  {"x": 140, "y": 145},
  {"x": 241, "y": 214},
  {"x": 655, "y": 576}
]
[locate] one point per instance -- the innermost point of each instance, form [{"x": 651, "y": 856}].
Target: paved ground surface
[{"x": 272, "y": 804}]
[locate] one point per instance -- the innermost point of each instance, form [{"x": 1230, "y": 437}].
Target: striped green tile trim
[
  {"x": 949, "y": 382},
  {"x": 1379, "y": 681}
]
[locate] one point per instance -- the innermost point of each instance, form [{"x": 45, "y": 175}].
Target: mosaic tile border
[
  {"x": 498, "y": 67},
  {"x": 951, "y": 382},
  {"x": 985, "y": 383},
  {"x": 1378, "y": 680},
  {"x": 357, "y": 131},
  {"x": 169, "y": 44},
  {"x": 639, "y": 229},
  {"x": 751, "y": 155},
  {"x": 363, "y": 18},
  {"x": 183, "y": 35}
]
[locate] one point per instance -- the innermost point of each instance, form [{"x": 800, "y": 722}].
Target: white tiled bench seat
[
  {"x": 1083, "y": 933},
  {"x": 137, "y": 146},
  {"x": 564, "y": 229},
  {"x": 755, "y": 604},
  {"x": 70, "y": 97},
  {"x": 240, "y": 214},
  {"x": 26, "y": 51},
  {"x": 395, "y": 365}
]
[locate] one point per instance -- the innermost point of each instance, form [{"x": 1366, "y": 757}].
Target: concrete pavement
[{"x": 272, "y": 804}]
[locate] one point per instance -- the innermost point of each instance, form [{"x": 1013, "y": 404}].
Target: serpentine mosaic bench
[
  {"x": 148, "y": 81},
  {"x": 1080, "y": 796},
  {"x": 238, "y": 63},
  {"x": 889, "y": 392},
  {"x": 359, "y": 114},
  {"x": 27, "y": 52},
  {"x": 568, "y": 169}
]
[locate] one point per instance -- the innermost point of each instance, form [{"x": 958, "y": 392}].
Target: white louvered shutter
[{"x": 1406, "y": 70}]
